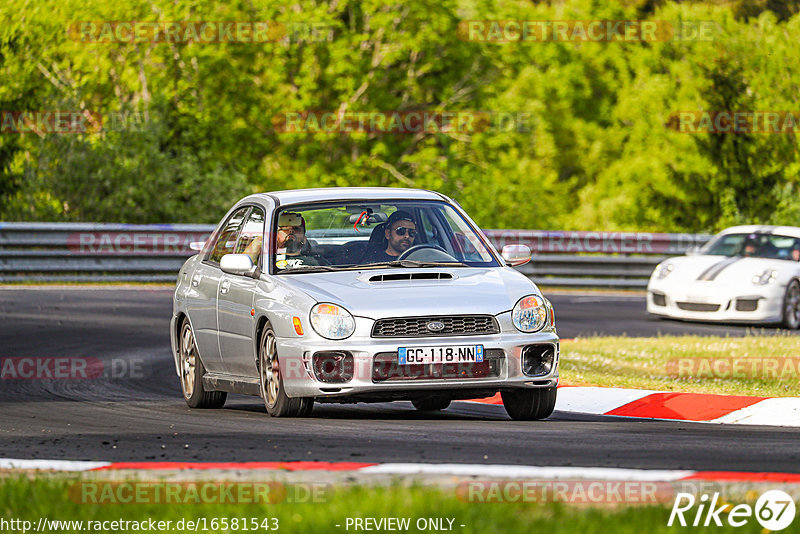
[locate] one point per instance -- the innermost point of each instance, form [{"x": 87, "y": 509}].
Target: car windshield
[
  {"x": 758, "y": 245},
  {"x": 376, "y": 234}
]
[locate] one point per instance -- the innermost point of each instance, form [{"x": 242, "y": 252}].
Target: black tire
[
  {"x": 192, "y": 371},
  {"x": 529, "y": 404},
  {"x": 278, "y": 404},
  {"x": 791, "y": 306},
  {"x": 431, "y": 404},
  {"x": 306, "y": 406}
]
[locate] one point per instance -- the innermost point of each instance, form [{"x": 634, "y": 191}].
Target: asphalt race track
[{"x": 135, "y": 410}]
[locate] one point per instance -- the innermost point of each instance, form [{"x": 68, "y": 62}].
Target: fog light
[
  {"x": 659, "y": 299},
  {"x": 537, "y": 360},
  {"x": 746, "y": 305},
  {"x": 333, "y": 367}
]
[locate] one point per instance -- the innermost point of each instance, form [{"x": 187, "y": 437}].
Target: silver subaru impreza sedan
[{"x": 350, "y": 295}]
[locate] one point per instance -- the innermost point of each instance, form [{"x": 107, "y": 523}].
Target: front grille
[
  {"x": 659, "y": 299},
  {"x": 385, "y": 368},
  {"x": 698, "y": 306},
  {"x": 453, "y": 325},
  {"x": 746, "y": 305}
]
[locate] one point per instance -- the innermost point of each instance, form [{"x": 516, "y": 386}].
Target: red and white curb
[
  {"x": 408, "y": 469},
  {"x": 668, "y": 405}
]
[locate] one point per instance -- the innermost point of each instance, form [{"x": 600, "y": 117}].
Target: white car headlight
[
  {"x": 529, "y": 314},
  {"x": 663, "y": 270},
  {"x": 767, "y": 276},
  {"x": 332, "y": 321}
]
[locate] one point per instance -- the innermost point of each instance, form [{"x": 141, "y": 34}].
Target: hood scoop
[{"x": 397, "y": 277}]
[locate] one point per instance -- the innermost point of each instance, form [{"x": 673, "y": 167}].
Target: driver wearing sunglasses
[{"x": 400, "y": 232}]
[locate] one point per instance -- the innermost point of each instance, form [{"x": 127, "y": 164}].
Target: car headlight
[
  {"x": 332, "y": 321},
  {"x": 530, "y": 314},
  {"x": 767, "y": 276},
  {"x": 663, "y": 270}
]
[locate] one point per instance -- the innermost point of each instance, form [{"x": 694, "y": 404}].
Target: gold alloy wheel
[
  {"x": 270, "y": 369},
  {"x": 188, "y": 360}
]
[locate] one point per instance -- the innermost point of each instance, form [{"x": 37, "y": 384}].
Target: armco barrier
[{"x": 72, "y": 252}]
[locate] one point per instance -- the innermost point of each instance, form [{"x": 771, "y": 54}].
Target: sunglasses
[{"x": 401, "y": 231}]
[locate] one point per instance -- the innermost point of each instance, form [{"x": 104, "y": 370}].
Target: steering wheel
[{"x": 422, "y": 246}]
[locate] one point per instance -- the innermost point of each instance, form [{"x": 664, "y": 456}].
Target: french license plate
[{"x": 448, "y": 354}]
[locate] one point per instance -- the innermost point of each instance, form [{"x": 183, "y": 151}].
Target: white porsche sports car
[{"x": 744, "y": 274}]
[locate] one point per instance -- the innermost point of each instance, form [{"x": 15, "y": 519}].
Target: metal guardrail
[{"x": 85, "y": 252}]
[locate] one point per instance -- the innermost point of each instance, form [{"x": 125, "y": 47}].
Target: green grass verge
[
  {"x": 768, "y": 366},
  {"x": 30, "y": 499}
]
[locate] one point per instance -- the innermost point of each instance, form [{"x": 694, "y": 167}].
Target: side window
[
  {"x": 226, "y": 241},
  {"x": 251, "y": 237},
  {"x": 727, "y": 245}
]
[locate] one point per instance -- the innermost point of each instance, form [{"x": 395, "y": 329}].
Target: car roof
[
  {"x": 789, "y": 231},
  {"x": 296, "y": 196}
]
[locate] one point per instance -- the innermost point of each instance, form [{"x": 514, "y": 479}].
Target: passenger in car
[{"x": 293, "y": 249}]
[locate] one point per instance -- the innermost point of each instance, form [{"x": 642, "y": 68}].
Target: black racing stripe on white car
[{"x": 713, "y": 271}]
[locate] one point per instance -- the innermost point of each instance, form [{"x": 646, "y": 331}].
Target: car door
[
  {"x": 202, "y": 299},
  {"x": 235, "y": 302}
]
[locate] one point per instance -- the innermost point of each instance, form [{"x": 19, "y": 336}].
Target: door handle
[
  {"x": 225, "y": 286},
  {"x": 196, "y": 279}
]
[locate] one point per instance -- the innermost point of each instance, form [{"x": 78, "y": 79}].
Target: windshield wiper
[
  {"x": 409, "y": 263},
  {"x": 396, "y": 263},
  {"x": 311, "y": 269}
]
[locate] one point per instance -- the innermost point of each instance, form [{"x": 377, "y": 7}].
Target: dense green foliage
[{"x": 600, "y": 152}]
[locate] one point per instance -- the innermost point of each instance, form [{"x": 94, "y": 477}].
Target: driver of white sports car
[{"x": 400, "y": 231}]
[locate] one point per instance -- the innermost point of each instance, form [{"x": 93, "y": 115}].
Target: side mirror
[
  {"x": 197, "y": 245},
  {"x": 239, "y": 264},
  {"x": 516, "y": 255},
  {"x": 694, "y": 250}
]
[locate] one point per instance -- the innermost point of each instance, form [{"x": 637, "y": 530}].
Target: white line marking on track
[
  {"x": 518, "y": 471},
  {"x": 55, "y": 465}
]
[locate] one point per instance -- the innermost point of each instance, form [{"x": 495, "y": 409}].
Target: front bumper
[
  {"x": 300, "y": 381},
  {"x": 710, "y": 302}
]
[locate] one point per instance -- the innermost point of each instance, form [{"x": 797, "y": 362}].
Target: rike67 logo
[{"x": 774, "y": 510}]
